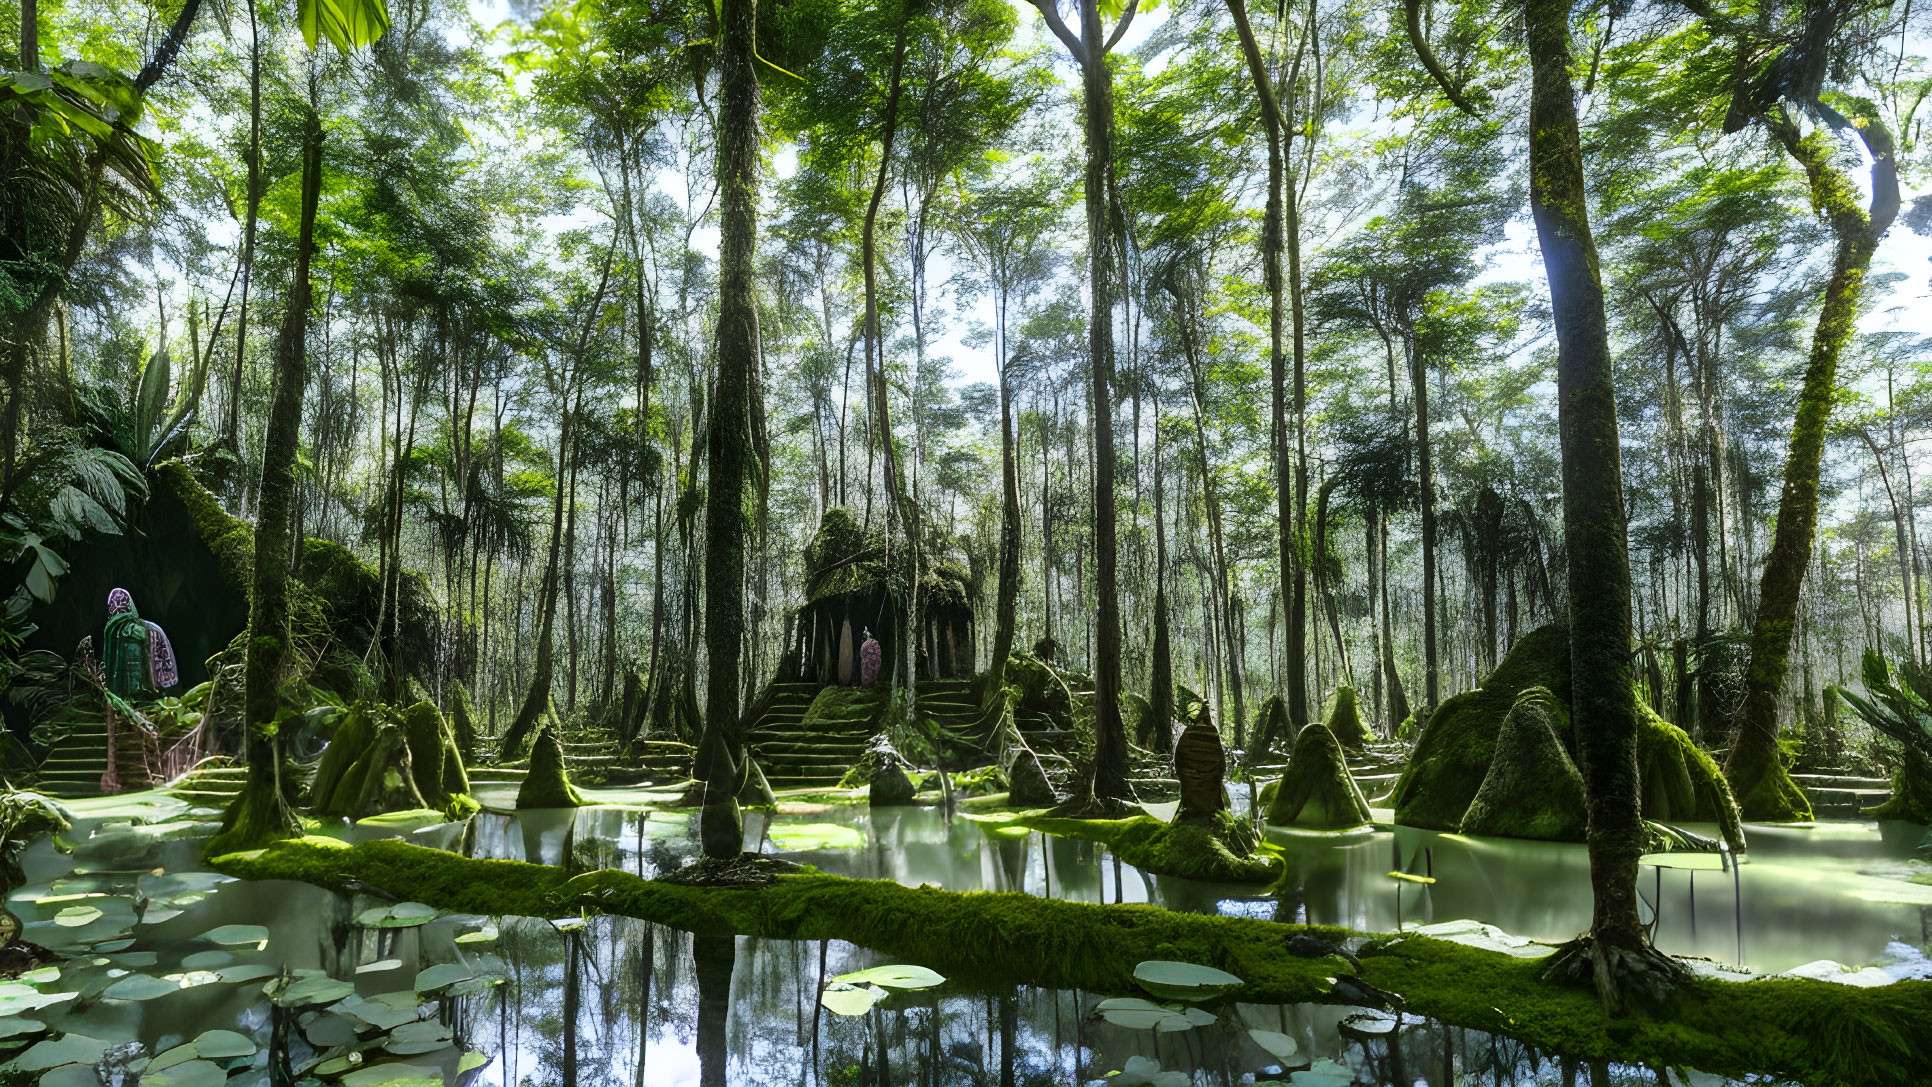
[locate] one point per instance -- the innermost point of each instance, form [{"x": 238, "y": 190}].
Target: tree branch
[
  {"x": 1061, "y": 30},
  {"x": 1126, "y": 18},
  {"x": 1412, "y": 10}
]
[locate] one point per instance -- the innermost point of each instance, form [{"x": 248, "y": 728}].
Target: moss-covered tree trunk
[
  {"x": 721, "y": 749},
  {"x": 1006, "y": 606},
  {"x": 536, "y": 698},
  {"x": 261, "y": 813},
  {"x": 1271, "y": 251},
  {"x": 1160, "y": 686},
  {"x": 1757, "y": 774},
  {"x": 1603, "y": 698},
  {"x": 1106, "y": 788},
  {"x": 1110, "y": 735}
]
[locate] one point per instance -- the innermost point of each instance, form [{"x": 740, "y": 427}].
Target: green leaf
[
  {"x": 1184, "y": 980},
  {"x": 347, "y": 24},
  {"x": 842, "y": 999},
  {"x": 894, "y": 977}
]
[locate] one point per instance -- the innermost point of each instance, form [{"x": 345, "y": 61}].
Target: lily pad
[
  {"x": 76, "y": 916},
  {"x": 475, "y": 985},
  {"x": 222, "y": 1044},
  {"x": 385, "y": 1012},
  {"x": 66, "y": 1049},
  {"x": 180, "y": 1054},
  {"x": 141, "y": 987},
  {"x": 1184, "y": 980},
  {"x": 307, "y": 987},
  {"x": 1278, "y": 1045},
  {"x": 441, "y": 975},
  {"x": 71, "y": 1075},
  {"x": 207, "y": 960},
  {"x": 400, "y": 915},
  {"x": 894, "y": 977},
  {"x": 195, "y": 1073},
  {"x": 802, "y": 837},
  {"x": 247, "y": 971},
  {"x": 842, "y": 999},
  {"x": 237, "y": 935},
  {"x": 326, "y": 1030},
  {"x": 486, "y": 934},
  {"x": 1136, "y": 1014},
  {"x": 16, "y": 998},
  {"x": 13, "y": 1026},
  {"x": 379, "y": 966}
]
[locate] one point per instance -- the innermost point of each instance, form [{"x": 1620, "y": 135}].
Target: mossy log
[
  {"x": 1789, "y": 1028},
  {"x": 1533, "y": 788},
  {"x": 1452, "y": 758},
  {"x": 1316, "y": 790},
  {"x": 547, "y": 785}
]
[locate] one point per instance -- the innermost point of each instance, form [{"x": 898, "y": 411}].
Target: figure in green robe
[{"x": 137, "y": 661}]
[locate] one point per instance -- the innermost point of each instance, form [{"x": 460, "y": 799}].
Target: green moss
[
  {"x": 462, "y": 722},
  {"x": 1533, "y": 788},
  {"x": 547, "y": 785},
  {"x": 1204, "y": 847},
  {"x": 1453, "y": 756},
  {"x": 1911, "y": 799},
  {"x": 354, "y": 732},
  {"x": 1793, "y": 1028},
  {"x": 1316, "y": 790},
  {"x": 1344, "y": 720}
]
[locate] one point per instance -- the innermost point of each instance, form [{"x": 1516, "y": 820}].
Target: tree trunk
[
  {"x": 1603, "y": 699},
  {"x": 261, "y": 813},
  {"x": 536, "y": 697},
  {"x": 1757, "y": 774},
  {"x": 721, "y": 749}
]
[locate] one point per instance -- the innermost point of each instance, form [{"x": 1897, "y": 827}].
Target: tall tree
[
  {"x": 721, "y": 748},
  {"x": 1106, "y": 789}
]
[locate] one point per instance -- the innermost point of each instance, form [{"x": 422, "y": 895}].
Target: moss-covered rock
[
  {"x": 1344, "y": 720},
  {"x": 547, "y": 785},
  {"x": 1453, "y": 755},
  {"x": 1533, "y": 788},
  {"x": 1316, "y": 790}
]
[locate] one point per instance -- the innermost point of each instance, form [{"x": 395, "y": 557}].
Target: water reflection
[{"x": 606, "y": 1001}]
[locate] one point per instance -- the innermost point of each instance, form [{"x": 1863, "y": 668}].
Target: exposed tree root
[
  {"x": 744, "y": 870},
  {"x": 1618, "y": 972}
]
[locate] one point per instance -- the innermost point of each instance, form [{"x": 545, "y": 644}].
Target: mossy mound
[
  {"x": 1452, "y": 757},
  {"x": 1218, "y": 848},
  {"x": 1344, "y": 720},
  {"x": 547, "y": 785},
  {"x": 1316, "y": 790},
  {"x": 381, "y": 760},
  {"x": 1779, "y": 1028},
  {"x": 1533, "y": 788}
]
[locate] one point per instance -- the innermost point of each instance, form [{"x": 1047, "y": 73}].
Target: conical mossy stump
[
  {"x": 1533, "y": 788},
  {"x": 547, "y": 785},
  {"x": 1316, "y": 791}
]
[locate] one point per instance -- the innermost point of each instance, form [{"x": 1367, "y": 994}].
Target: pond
[{"x": 173, "y": 975}]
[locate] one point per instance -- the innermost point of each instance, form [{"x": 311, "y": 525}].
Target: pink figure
[{"x": 869, "y": 656}]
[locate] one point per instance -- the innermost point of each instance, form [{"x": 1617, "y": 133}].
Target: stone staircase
[
  {"x": 213, "y": 783},
  {"x": 74, "y": 764},
  {"x": 1842, "y": 796},
  {"x": 795, "y": 753}
]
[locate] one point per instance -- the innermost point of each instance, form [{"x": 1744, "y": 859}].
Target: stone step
[
  {"x": 812, "y": 736},
  {"x": 841, "y": 759},
  {"x": 1841, "y": 781},
  {"x": 803, "y": 781},
  {"x": 1845, "y": 801},
  {"x": 497, "y": 775}
]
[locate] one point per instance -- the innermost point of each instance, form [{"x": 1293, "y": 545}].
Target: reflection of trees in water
[{"x": 623, "y": 1003}]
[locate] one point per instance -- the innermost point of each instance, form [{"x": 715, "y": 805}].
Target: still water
[{"x": 364, "y": 992}]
